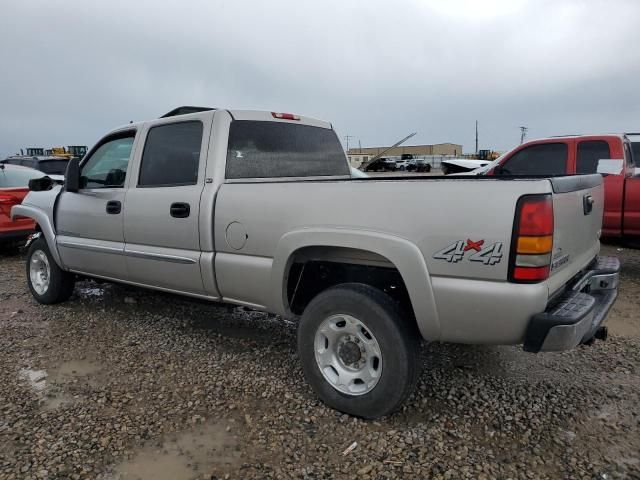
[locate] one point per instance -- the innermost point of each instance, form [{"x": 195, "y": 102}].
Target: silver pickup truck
[{"x": 259, "y": 209}]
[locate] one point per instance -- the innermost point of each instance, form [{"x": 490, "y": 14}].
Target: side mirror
[
  {"x": 72, "y": 176},
  {"x": 40, "y": 184}
]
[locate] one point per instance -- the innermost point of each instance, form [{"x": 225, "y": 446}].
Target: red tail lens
[
  {"x": 532, "y": 239},
  {"x": 8, "y": 200},
  {"x": 285, "y": 116},
  {"x": 536, "y": 216},
  {"x": 531, "y": 274}
]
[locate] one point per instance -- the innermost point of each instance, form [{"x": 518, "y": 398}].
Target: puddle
[
  {"x": 37, "y": 379},
  {"x": 50, "y": 386},
  {"x": 91, "y": 292},
  {"x": 184, "y": 456},
  {"x": 72, "y": 370},
  {"x": 53, "y": 401}
]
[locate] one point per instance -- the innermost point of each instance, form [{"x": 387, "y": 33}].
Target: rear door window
[
  {"x": 274, "y": 149},
  {"x": 589, "y": 152},
  {"x": 540, "y": 159},
  {"x": 171, "y": 155}
]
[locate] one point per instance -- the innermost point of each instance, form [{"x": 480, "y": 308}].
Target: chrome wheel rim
[
  {"x": 348, "y": 355},
  {"x": 39, "y": 272}
]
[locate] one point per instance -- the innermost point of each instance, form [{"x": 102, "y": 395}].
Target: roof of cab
[{"x": 256, "y": 115}]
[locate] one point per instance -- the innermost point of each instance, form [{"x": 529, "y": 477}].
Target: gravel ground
[{"x": 121, "y": 383}]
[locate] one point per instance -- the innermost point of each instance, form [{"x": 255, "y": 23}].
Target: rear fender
[{"x": 404, "y": 255}]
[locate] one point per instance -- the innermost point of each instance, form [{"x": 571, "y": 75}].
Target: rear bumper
[{"x": 577, "y": 314}]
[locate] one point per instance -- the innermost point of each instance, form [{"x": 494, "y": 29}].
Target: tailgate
[{"x": 578, "y": 205}]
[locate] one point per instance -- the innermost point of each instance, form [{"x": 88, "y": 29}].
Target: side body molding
[
  {"x": 402, "y": 253},
  {"x": 43, "y": 220}
]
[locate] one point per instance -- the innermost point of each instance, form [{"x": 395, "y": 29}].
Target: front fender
[
  {"x": 45, "y": 224},
  {"x": 405, "y": 255}
]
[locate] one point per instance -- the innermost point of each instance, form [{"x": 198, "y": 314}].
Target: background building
[{"x": 436, "y": 149}]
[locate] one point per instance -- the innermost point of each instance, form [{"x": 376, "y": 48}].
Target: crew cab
[
  {"x": 581, "y": 154},
  {"x": 259, "y": 209}
]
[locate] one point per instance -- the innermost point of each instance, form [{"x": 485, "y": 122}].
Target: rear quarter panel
[{"x": 430, "y": 214}]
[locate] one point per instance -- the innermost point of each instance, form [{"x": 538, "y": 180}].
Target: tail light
[
  {"x": 9, "y": 200},
  {"x": 532, "y": 241},
  {"x": 285, "y": 116}
]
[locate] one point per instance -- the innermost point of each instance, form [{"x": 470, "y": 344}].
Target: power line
[
  {"x": 476, "y": 137},
  {"x": 347, "y": 137},
  {"x": 523, "y": 134}
]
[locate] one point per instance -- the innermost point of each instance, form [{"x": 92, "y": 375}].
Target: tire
[
  {"x": 47, "y": 281},
  {"x": 427, "y": 168},
  {"x": 402, "y": 169},
  {"x": 396, "y": 337}
]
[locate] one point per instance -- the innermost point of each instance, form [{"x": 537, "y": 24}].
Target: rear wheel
[
  {"x": 47, "y": 281},
  {"x": 357, "y": 351}
]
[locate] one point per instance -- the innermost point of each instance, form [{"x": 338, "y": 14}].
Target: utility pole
[
  {"x": 347, "y": 137},
  {"x": 523, "y": 134},
  {"x": 359, "y": 146},
  {"x": 476, "y": 137}
]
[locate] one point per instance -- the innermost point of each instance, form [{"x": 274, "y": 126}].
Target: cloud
[{"x": 377, "y": 70}]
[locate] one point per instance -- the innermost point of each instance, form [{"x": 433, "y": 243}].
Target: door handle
[
  {"x": 587, "y": 204},
  {"x": 114, "y": 207},
  {"x": 180, "y": 210}
]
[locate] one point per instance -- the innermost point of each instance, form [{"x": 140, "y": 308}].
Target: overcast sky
[{"x": 377, "y": 70}]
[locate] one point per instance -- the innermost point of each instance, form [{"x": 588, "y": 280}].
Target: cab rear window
[
  {"x": 589, "y": 153},
  {"x": 277, "y": 149}
]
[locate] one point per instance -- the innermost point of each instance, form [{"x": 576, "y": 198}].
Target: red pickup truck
[{"x": 580, "y": 154}]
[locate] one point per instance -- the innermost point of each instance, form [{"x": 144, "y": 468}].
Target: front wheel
[
  {"x": 47, "y": 281},
  {"x": 358, "y": 352}
]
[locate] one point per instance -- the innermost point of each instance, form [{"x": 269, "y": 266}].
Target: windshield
[{"x": 486, "y": 168}]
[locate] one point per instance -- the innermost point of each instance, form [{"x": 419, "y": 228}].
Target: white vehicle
[
  {"x": 462, "y": 165},
  {"x": 402, "y": 165}
]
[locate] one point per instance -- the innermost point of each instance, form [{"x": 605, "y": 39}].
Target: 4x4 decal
[{"x": 489, "y": 255}]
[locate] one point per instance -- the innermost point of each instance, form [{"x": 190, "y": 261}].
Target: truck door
[
  {"x": 631, "y": 214},
  {"x": 588, "y": 153},
  {"x": 89, "y": 222},
  {"x": 161, "y": 227}
]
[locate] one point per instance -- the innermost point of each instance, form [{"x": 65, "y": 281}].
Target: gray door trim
[
  {"x": 92, "y": 248},
  {"x": 128, "y": 253},
  {"x": 159, "y": 256}
]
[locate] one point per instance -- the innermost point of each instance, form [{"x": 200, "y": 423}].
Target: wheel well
[{"x": 315, "y": 269}]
